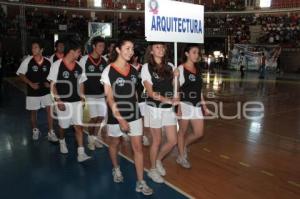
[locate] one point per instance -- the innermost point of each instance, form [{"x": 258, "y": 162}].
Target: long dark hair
[
  {"x": 161, "y": 69},
  {"x": 119, "y": 44},
  {"x": 187, "y": 49}
]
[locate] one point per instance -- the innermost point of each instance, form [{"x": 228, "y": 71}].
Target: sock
[
  {"x": 91, "y": 138},
  {"x": 80, "y": 150},
  {"x": 35, "y": 130},
  {"x": 62, "y": 141}
]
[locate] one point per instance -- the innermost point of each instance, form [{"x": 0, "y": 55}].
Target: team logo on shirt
[
  {"x": 76, "y": 73},
  {"x": 66, "y": 74},
  {"x": 155, "y": 75},
  {"x": 101, "y": 67},
  {"x": 192, "y": 77},
  {"x": 133, "y": 79},
  {"x": 35, "y": 68},
  {"x": 91, "y": 68},
  {"x": 120, "y": 81},
  {"x": 45, "y": 68}
]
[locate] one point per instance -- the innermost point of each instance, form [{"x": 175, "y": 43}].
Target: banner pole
[{"x": 175, "y": 64}]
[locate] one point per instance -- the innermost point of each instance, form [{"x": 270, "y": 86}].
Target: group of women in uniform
[{"x": 129, "y": 96}]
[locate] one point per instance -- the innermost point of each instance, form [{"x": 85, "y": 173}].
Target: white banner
[
  {"x": 253, "y": 55},
  {"x": 173, "y": 21}
]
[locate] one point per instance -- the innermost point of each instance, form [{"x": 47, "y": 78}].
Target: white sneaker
[
  {"x": 159, "y": 167},
  {"x": 52, "y": 136},
  {"x": 91, "y": 143},
  {"x": 146, "y": 141},
  {"x": 142, "y": 187},
  {"x": 35, "y": 133},
  {"x": 81, "y": 157},
  {"x": 183, "y": 162},
  {"x": 63, "y": 146},
  {"x": 117, "y": 175},
  {"x": 98, "y": 144},
  {"x": 155, "y": 176}
]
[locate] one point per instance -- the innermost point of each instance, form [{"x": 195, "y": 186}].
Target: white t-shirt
[
  {"x": 24, "y": 66},
  {"x": 55, "y": 69}
]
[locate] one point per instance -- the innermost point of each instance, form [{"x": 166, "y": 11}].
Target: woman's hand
[
  {"x": 46, "y": 85},
  {"x": 175, "y": 101},
  {"x": 124, "y": 126},
  {"x": 205, "y": 110},
  {"x": 176, "y": 73},
  {"x": 34, "y": 86}
]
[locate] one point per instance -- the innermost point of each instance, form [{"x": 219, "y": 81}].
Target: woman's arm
[
  {"x": 113, "y": 106},
  {"x": 203, "y": 104},
  {"x": 176, "y": 83}
]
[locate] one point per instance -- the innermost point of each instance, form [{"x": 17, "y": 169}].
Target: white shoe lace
[
  {"x": 155, "y": 175},
  {"x": 145, "y": 189},
  {"x": 183, "y": 162},
  {"x": 117, "y": 175}
]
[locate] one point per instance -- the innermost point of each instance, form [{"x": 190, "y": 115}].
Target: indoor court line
[
  {"x": 146, "y": 170},
  {"x": 204, "y": 149}
]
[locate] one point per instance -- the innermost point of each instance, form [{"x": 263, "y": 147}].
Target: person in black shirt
[
  {"x": 59, "y": 51},
  {"x": 242, "y": 63},
  {"x": 192, "y": 104},
  {"x": 110, "y": 49},
  {"x": 158, "y": 79},
  {"x": 120, "y": 79},
  {"x": 67, "y": 78},
  {"x": 93, "y": 66},
  {"x": 262, "y": 68},
  {"x": 34, "y": 71}
]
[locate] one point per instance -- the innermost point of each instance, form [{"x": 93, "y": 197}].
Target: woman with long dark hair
[
  {"x": 120, "y": 79},
  {"x": 158, "y": 79},
  {"x": 192, "y": 105}
]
